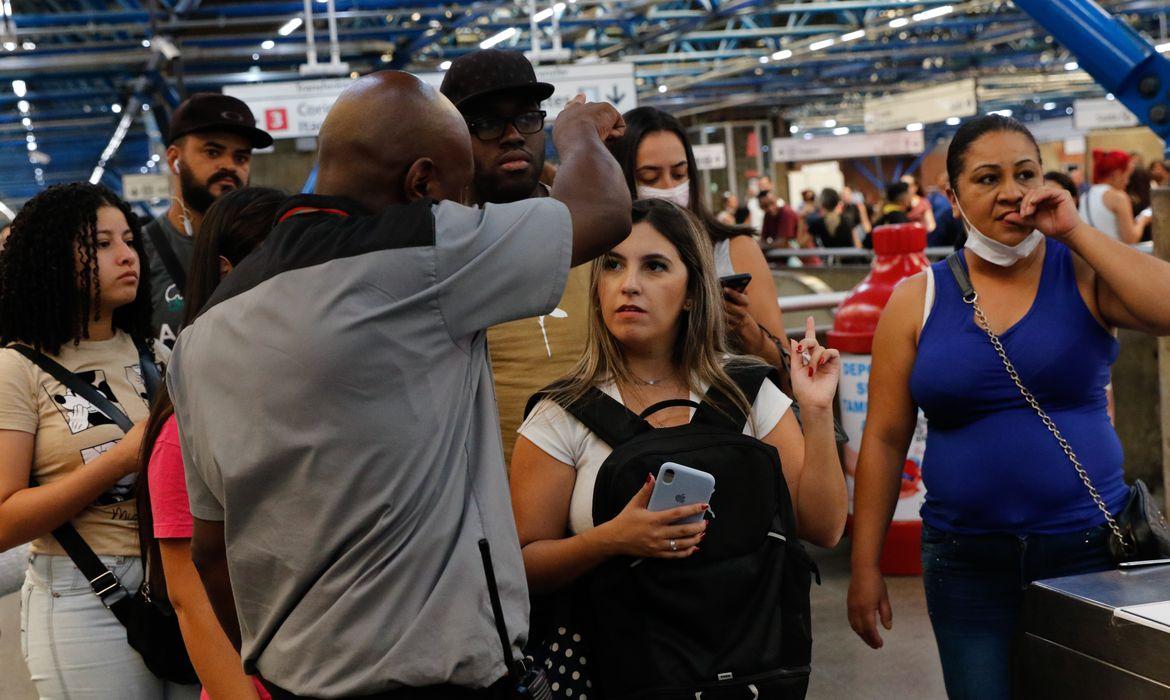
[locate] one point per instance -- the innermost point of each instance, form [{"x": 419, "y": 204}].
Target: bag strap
[
  {"x": 971, "y": 297},
  {"x": 78, "y": 386},
  {"x": 718, "y": 408},
  {"x": 104, "y": 583},
  {"x": 167, "y": 254},
  {"x": 605, "y": 417},
  {"x": 663, "y": 405}
]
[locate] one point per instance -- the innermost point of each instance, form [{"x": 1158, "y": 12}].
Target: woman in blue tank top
[{"x": 1004, "y": 505}]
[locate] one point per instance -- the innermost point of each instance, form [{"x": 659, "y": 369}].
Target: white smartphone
[{"x": 679, "y": 485}]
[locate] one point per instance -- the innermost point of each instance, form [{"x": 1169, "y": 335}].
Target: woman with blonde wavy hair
[{"x": 657, "y": 333}]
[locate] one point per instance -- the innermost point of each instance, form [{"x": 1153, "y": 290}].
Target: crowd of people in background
[{"x": 1117, "y": 199}]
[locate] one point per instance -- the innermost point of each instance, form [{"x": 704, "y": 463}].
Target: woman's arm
[
  {"x": 216, "y": 661},
  {"x": 1131, "y": 287},
  {"x": 541, "y": 490},
  {"x": 928, "y": 216},
  {"x": 1122, "y": 207},
  {"x": 813, "y": 472},
  {"x": 889, "y": 426},
  {"x": 27, "y": 513}
]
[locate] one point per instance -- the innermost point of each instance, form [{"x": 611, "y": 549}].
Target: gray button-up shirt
[{"x": 337, "y": 413}]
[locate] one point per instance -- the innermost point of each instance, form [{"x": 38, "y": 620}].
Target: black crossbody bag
[
  {"x": 150, "y": 630},
  {"x": 1138, "y": 532}
]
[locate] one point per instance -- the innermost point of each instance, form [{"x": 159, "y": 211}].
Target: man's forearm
[
  {"x": 591, "y": 184},
  {"x": 209, "y": 553}
]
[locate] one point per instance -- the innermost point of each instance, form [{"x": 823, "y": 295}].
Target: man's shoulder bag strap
[{"x": 167, "y": 253}]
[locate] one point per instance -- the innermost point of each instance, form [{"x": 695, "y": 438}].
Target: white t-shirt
[{"x": 566, "y": 439}]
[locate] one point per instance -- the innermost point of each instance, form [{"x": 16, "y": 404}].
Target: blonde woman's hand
[
  {"x": 638, "y": 532},
  {"x": 815, "y": 370}
]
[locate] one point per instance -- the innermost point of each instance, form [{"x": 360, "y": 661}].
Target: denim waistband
[{"x": 59, "y": 575}]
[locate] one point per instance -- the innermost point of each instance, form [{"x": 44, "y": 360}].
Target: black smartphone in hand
[{"x": 736, "y": 282}]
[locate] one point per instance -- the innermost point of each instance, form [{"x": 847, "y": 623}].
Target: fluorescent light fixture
[
  {"x": 1049, "y": 106},
  {"x": 808, "y": 135},
  {"x": 498, "y": 38},
  {"x": 1071, "y": 65},
  {"x": 96, "y": 177},
  {"x": 822, "y": 44},
  {"x": 6, "y": 211},
  {"x": 445, "y": 65},
  {"x": 794, "y": 129},
  {"x": 255, "y": 57},
  {"x": 899, "y": 22},
  {"x": 547, "y": 12},
  {"x": 914, "y": 126},
  {"x": 415, "y": 16},
  {"x": 764, "y": 59},
  {"x": 841, "y": 131},
  {"x": 290, "y": 26},
  {"x": 22, "y": 106},
  {"x": 663, "y": 88},
  {"x": 146, "y": 43},
  {"x": 32, "y": 146},
  {"x": 1163, "y": 48},
  {"x": 10, "y": 46},
  {"x": 27, "y": 123},
  {"x": 29, "y": 46},
  {"x": 830, "y": 123},
  {"x": 1110, "y": 97},
  {"x": 116, "y": 108},
  {"x": 953, "y": 121},
  {"x": 852, "y": 35},
  {"x": 19, "y": 87},
  {"x": 268, "y": 44},
  {"x": 781, "y": 55},
  {"x": 933, "y": 13},
  {"x": 30, "y": 138},
  {"x": 1002, "y": 112}
]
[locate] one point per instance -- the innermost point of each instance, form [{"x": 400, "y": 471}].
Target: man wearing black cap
[
  {"x": 499, "y": 96},
  {"x": 209, "y": 153}
]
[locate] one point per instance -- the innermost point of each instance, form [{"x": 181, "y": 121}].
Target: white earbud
[{"x": 175, "y": 166}]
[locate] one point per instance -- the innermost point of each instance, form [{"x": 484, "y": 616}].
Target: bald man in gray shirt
[{"x": 336, "y": 406}]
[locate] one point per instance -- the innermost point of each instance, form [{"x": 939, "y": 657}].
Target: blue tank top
[{"x": 990, "y": 465}]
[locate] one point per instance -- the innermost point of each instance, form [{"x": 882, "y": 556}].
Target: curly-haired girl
[{"x": 71, "y": 286}]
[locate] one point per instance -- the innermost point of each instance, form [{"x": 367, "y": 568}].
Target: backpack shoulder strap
[
  {"x": 718, "y": 408},
  {"x": 600, "y": 413},
  {"x": 151, "y": 377}
]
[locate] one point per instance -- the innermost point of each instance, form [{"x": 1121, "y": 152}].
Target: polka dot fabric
[{"x": 565, "y": 658}]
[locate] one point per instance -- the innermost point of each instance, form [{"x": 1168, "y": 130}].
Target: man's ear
[
  {"x": 420, "y": 180},
  {"x": 225, "y": 266}
]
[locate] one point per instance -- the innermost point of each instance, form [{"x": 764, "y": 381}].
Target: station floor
[{"x": 844, "y": 668}]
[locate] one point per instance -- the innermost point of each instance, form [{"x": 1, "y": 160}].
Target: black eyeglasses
[{"x": 491, "y": 128}]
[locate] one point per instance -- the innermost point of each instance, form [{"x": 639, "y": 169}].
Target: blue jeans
[
  {"x": 975, "y": 587},
  {"x": 74, "y": 647}
]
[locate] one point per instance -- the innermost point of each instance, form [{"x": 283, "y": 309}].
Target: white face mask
[
  {"x": 995, "y": 252},
  {"x": 680, "y": 194}
]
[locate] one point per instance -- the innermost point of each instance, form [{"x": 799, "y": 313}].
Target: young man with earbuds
[{"x": 209, "y": 153}]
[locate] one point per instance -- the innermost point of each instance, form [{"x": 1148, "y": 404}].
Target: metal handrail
[
  {"x": 781, "y": 254},
  {"x": 811, "y": 302}
]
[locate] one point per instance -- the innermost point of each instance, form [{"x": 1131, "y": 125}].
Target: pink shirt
[{"x": 168, "y": 499}]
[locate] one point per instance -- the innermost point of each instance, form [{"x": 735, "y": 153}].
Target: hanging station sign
[
  {"x": 293, "y": 109},
  {"x": 711, "y": 156},
  {"x": 927, "y": 106},
  {"x": 1102, "y": 114},
  {"x": 889, "y": 143},
  {"x": 145, "y": 188}
]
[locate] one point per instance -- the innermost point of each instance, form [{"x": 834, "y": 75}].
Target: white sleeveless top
[
  {"x": 1098, "y": 215},
  {"x": 723, "y": 258}
]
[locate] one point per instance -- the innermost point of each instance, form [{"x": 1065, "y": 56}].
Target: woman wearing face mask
[
  {"x": 1004, "y": 504},
  {"x": 1107, "y": 206},
  {"x": 658, "y": 162},
  {"x": 234, "y": 226},
  {"x": 71, "y": 287}
]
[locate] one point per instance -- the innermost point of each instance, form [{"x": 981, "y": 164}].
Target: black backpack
[{"x": 732, "y": 620}]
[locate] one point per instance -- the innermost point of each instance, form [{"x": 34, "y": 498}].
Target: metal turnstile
[{"x": 1100, "y": 636}]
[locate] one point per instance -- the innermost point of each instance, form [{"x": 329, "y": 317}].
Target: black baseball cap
[
  {"x": 211, "y": 111},
  {"x": 491, "y": 71}
]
